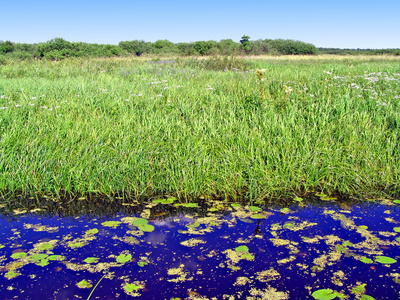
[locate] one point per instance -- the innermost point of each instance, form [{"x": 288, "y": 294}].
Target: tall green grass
[{"x": 190, "y": 128}]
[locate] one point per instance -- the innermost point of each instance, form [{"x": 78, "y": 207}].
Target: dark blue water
[{"x": 208, "y": 268}]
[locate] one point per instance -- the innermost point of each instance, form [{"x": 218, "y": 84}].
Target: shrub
[
  {"x": 6, "y": 47},
  {"x": 228, "y": 47},
  {"x": 202, "y": 47},
  {"x": 186, "y": 48},
  {"x": 135, "y": 47}
]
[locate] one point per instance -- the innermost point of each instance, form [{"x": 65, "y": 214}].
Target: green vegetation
[
  {"x": 193, "y": 128},
  {"x": 58, "y": 48}
]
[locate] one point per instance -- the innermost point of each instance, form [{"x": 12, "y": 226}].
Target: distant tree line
[
  {"x": 358, "y": 51},
  {"x": 58, "y": 48}
]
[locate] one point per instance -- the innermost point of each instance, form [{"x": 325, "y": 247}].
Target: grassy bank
[{"x": 186, "y": 127}]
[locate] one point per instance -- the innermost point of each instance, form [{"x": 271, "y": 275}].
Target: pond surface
[{"x": 213, "y": 250}]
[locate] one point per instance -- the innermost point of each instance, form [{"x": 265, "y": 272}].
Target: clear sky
[{"x": 337, "y": 24}]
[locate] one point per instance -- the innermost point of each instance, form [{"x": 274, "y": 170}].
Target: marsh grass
[{"x": 133, "y": 127}]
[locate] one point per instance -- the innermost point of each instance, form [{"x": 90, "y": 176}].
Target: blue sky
[{"x": 338, "y": 24}]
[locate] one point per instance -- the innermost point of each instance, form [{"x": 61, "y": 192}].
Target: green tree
[{"x": 245, "y": 41}]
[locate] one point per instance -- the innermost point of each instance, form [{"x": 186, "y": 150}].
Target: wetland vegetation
[
  {"x": 257, "y": 177},
  {"x": 216, "y": 127}
]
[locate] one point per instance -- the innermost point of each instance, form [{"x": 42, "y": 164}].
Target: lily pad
[
  {"x": 324, "y": 294},
  {"x": 92, "y": 231},
  {"x": 366, "y": 260},
  {"x": 91, "y": 260},
  {"x": 396, "y": 201},
  {"x": 396, "y": 229},
  {"x": 190, "y": 205},
  {"x": 242, "y": 248},
  {"x": 18, "y": 255},
  {"x": 1, "y": 246},
  {"x": 212, "y": 209},
  {"x": 37, "y": 257},
  {"x": 247, "y": 256},
  {"x": 131, "y": 287},
  {"x": 362, "y": 227},
  {"x": 257, "y": 216},
  {"x": 385, "y": 260},
  {"x": 84, "y": 284},
  {"x": 285, "y": 210},
  {"x": 142, "y": 263},
  {"x": 11, "y": 274},
  {"x": 247, "y": 221},
  {"x": 56, "y": 257},
  {"x": 146, "y": 228},
  {"x": 366, "y": 297},
  {"x": 288, "y": 225},
  {"x": 113, "y": 224},
  {"x": 235, "y": 205},
  {"x": 123, "y": 258},
  {"x": 139, "y": 222},
  {"x": 42, "y": 263},
  {"x": 298, "y": 199},
  {"x": 254, "y": 208},
  {"x": 164, "y": 201}
]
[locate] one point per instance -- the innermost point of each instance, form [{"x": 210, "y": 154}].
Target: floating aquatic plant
[
  {"x": 190, "y": 205},
  {"x": 142, "y": 263},
  {"x": 37, "y": 257},
  {"x": 324, "y": 294},
  {"x": 254, "y": 208},
  {"x": 91, "y": 260},
  {"x": 91, "y": 231},
  {"x": 165, "y": 201},
  {"x": 146, "y": 228},
  {"x": 18, "y": 255},
  {"x": 123, "y": 258},
  {"x": 139, "y": 222},
  {"x": 366, "y": 260},
  {"x": 11, "y": 274},
  {"x": 113, "y": 224},
  {"x": 84, "y": 284},
  {"x": 257, "y": 216},
  {"x": 385, "y": 260}
]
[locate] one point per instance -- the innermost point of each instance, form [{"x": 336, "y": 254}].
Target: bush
[
  {"x": 228, "y": 47},
  {"x": 6, "y": 47},
  {"x": 135, "y": 47},
  {"x": 202, "y": 47},
  {"x": 293, "y": 47},
  {"x": 22, "y": 55},
  {"x": 187, "y": 48}
]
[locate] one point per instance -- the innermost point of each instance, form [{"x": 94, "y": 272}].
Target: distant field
[{"x": 206, "y": 127}]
